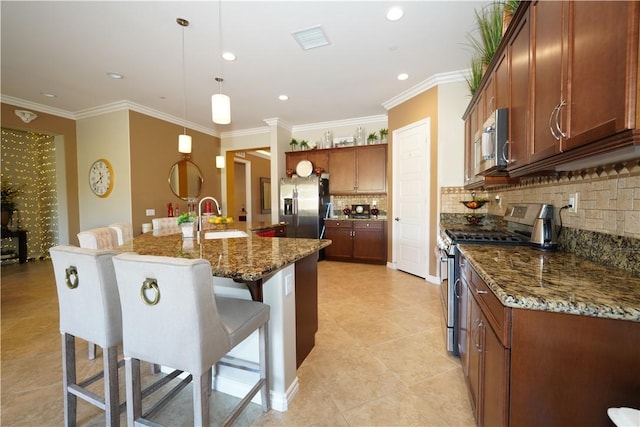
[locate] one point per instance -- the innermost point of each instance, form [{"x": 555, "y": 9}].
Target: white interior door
[{"x": 410, "y": 198}]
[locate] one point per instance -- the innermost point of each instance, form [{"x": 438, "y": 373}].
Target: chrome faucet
[{"x": 200, "y": 212}]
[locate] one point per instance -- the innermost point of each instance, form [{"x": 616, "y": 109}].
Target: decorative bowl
[
  {"x": 474, "y": 204},
  {"x": 474, "y": 219}
]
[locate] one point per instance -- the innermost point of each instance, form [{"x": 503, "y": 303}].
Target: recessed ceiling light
[
  {"x": 228, "y": 56},
  {"x": 47, "y": 94},
  {"x": 283, "y": 97},
  {"x": 403, "y": 76},
  {"x": 394, "y": 14},
  {"x": 115, "y": 76}
]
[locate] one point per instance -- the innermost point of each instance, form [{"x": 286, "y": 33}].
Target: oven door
[{"x": 448, "y": 297}]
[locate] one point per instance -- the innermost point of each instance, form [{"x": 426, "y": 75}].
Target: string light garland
[{"x": 29, "y": 163}]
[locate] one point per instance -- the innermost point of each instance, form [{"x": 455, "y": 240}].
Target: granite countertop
[
  {"x": 525, "y": 277},
  {"x": 245, "y": 259}
]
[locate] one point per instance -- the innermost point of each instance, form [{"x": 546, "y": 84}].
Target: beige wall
[
  {"x": 417, "y": 108},
  {"x": 61, "y": 128},
  {"x": 154, "y": 149}
]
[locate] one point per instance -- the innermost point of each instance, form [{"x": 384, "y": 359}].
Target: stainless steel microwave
[{"x": 490, "y": 146}]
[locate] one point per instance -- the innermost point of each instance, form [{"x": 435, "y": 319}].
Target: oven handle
[{"x": 457, "y": 288}]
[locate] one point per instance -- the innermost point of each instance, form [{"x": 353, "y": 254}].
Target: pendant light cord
[
  {"x": 184, "y": 82},
  {"x": 220, "y": 41}
]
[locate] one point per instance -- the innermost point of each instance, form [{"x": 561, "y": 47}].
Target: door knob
[{"x": 397, "y": 219}]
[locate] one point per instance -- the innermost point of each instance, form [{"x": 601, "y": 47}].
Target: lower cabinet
[
  {"x": 539, "y": 368},
  {"x": 356, "y": 241}
]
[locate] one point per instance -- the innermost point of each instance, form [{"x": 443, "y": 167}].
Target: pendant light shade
[
  {"x": 220, "y": 106},
  {"x": 184, "y": 144}
]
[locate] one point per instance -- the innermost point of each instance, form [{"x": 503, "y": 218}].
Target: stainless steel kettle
[{"x": 543, "y": 235}]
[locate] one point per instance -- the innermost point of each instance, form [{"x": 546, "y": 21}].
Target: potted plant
[
  {"x": 489, "y": 27},
  {"x": 186, "y": 221},
  {"x": 372, "y": 138},
  {"x": 475, "y": 76},
  {"x": 8, "y": 194},
  {"x": 510, "y": 7},
  {"x": 383, "y": 135},
  {"x": 293, "y": 144},
  {"x": 304, "y": 144}
]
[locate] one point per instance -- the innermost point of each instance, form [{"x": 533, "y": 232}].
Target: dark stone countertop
[{"x": 525, "y": 277}]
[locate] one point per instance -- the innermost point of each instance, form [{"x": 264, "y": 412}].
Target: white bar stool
[
  {"x": 89, "y": 309},
  {"x": 171, "y": 317}
]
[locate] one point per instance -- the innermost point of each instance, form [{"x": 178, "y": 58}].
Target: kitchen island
[
  {"x": 547, "y": 338},
  {"x": 258, "y": 268}
]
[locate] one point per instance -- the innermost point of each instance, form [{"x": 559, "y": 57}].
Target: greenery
[
  {"x": 489, "y": 28},
  {"x": 293, "y": 144},
  {"x": 510, "y": 6},
  {"x": 372, "y": 137},
  {"x": 304, "y": 144},
  {"x": 475, "y": 77},
  {"x": 383, "y": 133},
  {"x": 186, "y": 217},
  {"x": 9, "y": 193}
]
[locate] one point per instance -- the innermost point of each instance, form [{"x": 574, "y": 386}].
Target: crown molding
[
  {"x": 433, "y": 81},
  {"x": 357, "y": 121},
  {"x": 38, "y": 107}
]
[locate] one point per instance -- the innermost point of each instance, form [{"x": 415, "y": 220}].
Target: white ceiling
[{"x": 66, "y": 48}]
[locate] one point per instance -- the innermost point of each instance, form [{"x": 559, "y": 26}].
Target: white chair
[
  {"x": 164, "y": 226},
  {"x": 97, "y": 238},
  {"x": 90, "y": 309},
  {"x": 171, "y": 317},
  {"x": 124, "y": 232}
]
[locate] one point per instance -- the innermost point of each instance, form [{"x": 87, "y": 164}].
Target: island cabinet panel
[
  {"x": 356, "y": 241},
  {"x": 306, "y": 275},
  {"x": 358, "y": 170}
]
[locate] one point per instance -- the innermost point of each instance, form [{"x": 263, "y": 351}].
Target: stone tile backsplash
[{"x": 340, "y": 202}]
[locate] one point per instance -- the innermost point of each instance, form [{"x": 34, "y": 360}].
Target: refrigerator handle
[{"x": 295, "y": 202}]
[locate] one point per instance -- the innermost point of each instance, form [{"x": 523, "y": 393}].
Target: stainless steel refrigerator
[{"x": 303, "y": 205}]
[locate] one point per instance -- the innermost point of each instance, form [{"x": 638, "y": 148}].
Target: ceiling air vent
[{"x": 311, "y": 37}]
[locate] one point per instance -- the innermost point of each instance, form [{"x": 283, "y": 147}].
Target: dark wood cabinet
[
  {"x": 572, "y": 90},
  {"x": 319, "y": 158},
  {"x": 532, "y": 367},
  {"x": 306, "y": 276},
  {"x": 358, "y": 170},
  {"x": 356, "y": 240}
]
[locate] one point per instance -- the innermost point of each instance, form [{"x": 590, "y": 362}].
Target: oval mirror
[{"x": 185, "y": 180}]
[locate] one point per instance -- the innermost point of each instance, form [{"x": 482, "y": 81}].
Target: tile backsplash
[
  {"x": 608, "y": 198},
  {"x": 340, "y": 202}
]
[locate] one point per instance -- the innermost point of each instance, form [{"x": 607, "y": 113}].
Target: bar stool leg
[
  {"x": 201, "y": 390},
  {"x": 69, "y": 377},
  {"x": 134, "y": 392},
  {"x": 111, "y": 396}
]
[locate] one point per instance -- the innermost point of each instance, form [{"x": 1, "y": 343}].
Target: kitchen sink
[{"x": 225, "y": 234}]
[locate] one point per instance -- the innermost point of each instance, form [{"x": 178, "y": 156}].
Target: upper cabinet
[
  {"x": 358, "y": 170},
  {"x": 568, "y": 73},
  {"x": 352, "y": 170},
  {"x": 582, "y": 68}
]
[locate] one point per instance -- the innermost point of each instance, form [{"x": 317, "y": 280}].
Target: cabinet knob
[{"x": 396, "y": 219}]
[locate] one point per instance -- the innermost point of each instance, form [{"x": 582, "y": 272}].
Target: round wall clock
[{"x": 101, "y": 178}]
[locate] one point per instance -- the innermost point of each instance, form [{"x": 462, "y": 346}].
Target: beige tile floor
[{"x": 379, "y": 358}]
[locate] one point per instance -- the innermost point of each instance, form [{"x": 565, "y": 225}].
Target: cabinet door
[
  {"x": 293, "y": 158},
  {"x": 342, "y": 162},
  {"x": 501, "y": 82},
  {"x": 547, "y": 18},
  {"x": 495, "y": 379},
  {"x": 369, "y": 242},
  {"x": 319, "y": 159},
  {"x": 340, "y": 234},
  {"x": 371, "y": 169},
  {"x": 475, "y": 327},
  {"x": 519, "y": 117},
  {"x": 599, "y": 57}
]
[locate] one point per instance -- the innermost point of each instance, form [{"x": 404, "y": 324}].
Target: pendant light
[
  {"x": 220, "y": 103},
  {"x": 184, "y": 140}
]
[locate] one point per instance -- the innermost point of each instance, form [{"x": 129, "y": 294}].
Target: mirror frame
[
  {"x": 194, "y": 178},
  {"x": 265, "y": 195}
]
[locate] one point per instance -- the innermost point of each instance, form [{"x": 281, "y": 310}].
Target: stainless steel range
[{"x": 520, "y": 220}]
